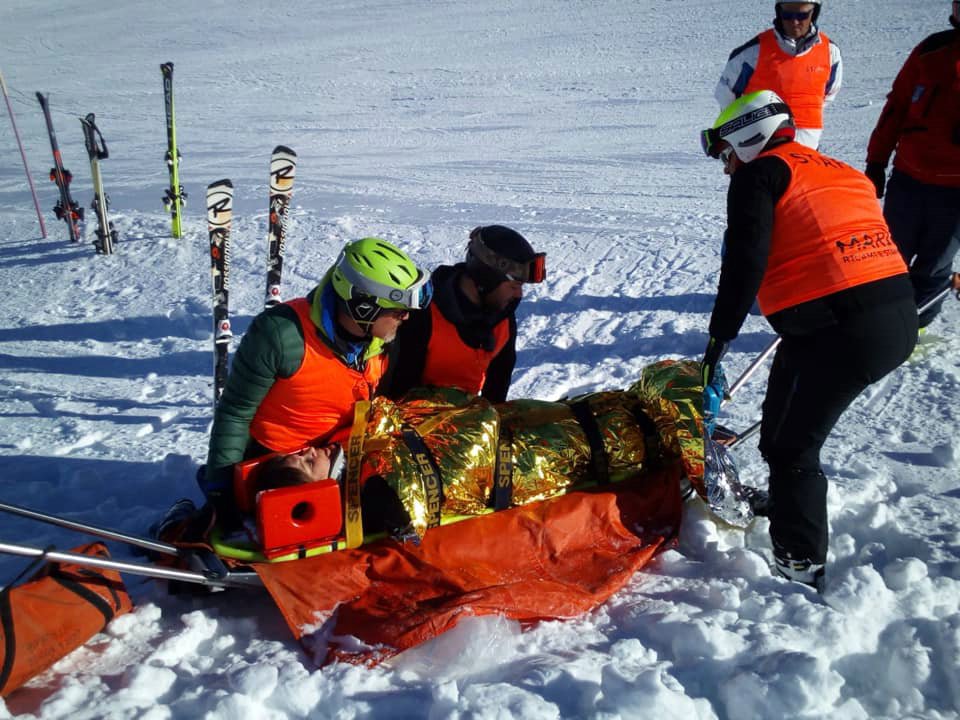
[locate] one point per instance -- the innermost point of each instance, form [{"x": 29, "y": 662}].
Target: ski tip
[
  {"x": 221, "y": 183},
  {"x": 283, "y": 149}
]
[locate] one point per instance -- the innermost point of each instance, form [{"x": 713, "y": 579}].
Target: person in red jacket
[
  {"x": 467, "y": 339},
  {"x": 805, "y": 238},
  {"x": 796, "y": 60},
  {"x": 921, "y": 119}
]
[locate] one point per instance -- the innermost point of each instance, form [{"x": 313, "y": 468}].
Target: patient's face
[{"x": 313, "y": 461}]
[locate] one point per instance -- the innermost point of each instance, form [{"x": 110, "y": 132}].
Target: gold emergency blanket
[
  {"x": 676, "y": 388},
  {"x": 549, "y": 443}
]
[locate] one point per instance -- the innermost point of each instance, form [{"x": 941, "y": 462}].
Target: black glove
[
  {"x": 712, "y": 356},
  {"x": 217, "y": 486},
  {"x": 877, "y": 172}
]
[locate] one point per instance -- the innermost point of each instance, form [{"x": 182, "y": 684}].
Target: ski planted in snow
[
  {"x": 65, "y": 209},
  {"x": 97, "y": 150},
  {"x": 283, "y": 167},
  {"x": 175, "y": 198},
  {"x": 219, "y": 217}
]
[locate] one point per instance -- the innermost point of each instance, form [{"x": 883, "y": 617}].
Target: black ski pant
[
  {"x": 925, "y": 223},
  {"x": 814, "y": 379}
]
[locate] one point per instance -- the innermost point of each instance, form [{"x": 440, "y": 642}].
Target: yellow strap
[
  {"x": 353, "y": 517},
  {"x": 431, "y": 424}
]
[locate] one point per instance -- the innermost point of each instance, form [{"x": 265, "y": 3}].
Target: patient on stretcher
[{"x": 442, "y": 453}]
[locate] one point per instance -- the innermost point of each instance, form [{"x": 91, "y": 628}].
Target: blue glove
[{"x": 714, "y": 383}]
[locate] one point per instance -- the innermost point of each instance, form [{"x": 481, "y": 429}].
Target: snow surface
[{"x": 576, "y": 123}]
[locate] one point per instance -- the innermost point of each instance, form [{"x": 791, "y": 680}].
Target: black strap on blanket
[
  {"x": 503, "y": 472},
  {"x": 651, "y": 438},
  {"x": 599, "y": 464},
  {"x": 429, "y": 474}
]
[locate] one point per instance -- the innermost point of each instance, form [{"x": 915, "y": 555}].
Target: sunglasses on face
[
  {"x": 396, "y": 314},
  {"x": 796, "y": 15}
]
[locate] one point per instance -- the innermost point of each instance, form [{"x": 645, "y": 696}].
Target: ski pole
[
  {"x": 106, "y": 533},
  {"x": 208, "y": 578},
  {"x": 746, "y": 434},
  {"x": 23, "y": 156},
  {"x": 952, "y": 284},
  {"x": 754, "y": 366}
]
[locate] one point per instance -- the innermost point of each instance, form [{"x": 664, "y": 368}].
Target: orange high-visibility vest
[
  {"x": 318, "y": 398},
  {"x": 828, "y": 232},
  {"x": 801, "y": 80},
  {"x": 450, "y": 362}
]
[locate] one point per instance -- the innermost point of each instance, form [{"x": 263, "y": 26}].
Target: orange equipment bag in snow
[{"x": 57, "y": 611}]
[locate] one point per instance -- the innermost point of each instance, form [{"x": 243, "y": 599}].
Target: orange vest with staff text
[
  {"x": 318, "y": 398},
  {"x": 828, "y": 232},
  {"x": 801, "y": 80},
  {"x": 450, "y": 362}
]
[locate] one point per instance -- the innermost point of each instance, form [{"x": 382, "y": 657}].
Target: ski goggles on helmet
[
  {"x": 415, "y": 297},
  {"x": 709, "y": 142},
  {"x": 711, "y": 137},
  {"x": 533, "y": 270}
]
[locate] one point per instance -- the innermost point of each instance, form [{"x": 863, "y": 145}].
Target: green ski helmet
[
  {"x": 372, "y": 275},
  {"x": 748, "y": 124}
]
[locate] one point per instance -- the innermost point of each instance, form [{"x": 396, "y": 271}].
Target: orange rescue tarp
[{"x": 549, "y": 560}]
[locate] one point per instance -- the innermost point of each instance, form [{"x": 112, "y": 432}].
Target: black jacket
[{"x": 408, "y": 353}]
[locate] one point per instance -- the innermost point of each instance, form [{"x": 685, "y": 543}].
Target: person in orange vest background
[
  {"x": 468, "y": 338},
  {"x": 796, "y": 60},
  {"x": 806, "y": 238},
  {"x": 303, "y": 364},
  {"x": 922, "y": 120}
]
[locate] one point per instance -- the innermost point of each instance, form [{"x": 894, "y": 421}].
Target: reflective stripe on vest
[
  {"x": 801, "y": 80},
  {"x": 450, "y": 362},
  {"x": 317, "y": 399},
  {"x": 828, "y": 232}
]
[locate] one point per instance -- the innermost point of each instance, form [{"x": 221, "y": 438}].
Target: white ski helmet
[
  {"x": 747, "y": 125},
  {"x": 817, "y": 4}
]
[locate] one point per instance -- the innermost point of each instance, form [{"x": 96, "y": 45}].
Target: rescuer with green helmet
[{"x": 303, "y": 364}]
